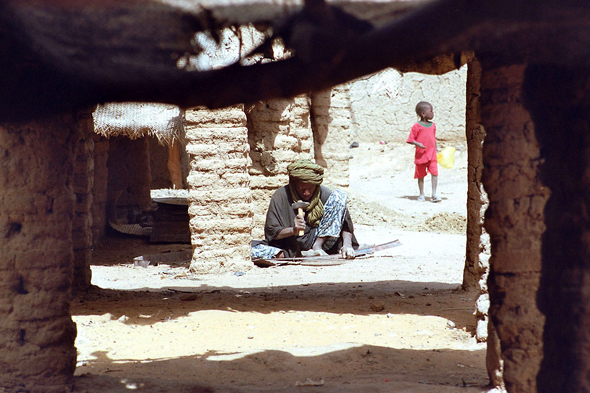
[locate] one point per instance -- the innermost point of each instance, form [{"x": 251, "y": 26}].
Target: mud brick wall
[
  {"x": 383, "y": 105},
  {"x": 158, "y": 164},
  {"x": 129, "y": 174},
  {"x": 279, "y": 133},
  {"x": 477, "y": 255},
  {"x": 99, "y": 188},
  {"x": 82, "y": 182},
  {"x": 476, "y": 198},
  {"x": 475, "y": 274},
  {"x": 514, "y": 221},
  {"x": 37, "y": 202},
  {"x": 331, "y": 122},
  {"x": 559, "y": 99},
  {"x": 219, "y": 189}
]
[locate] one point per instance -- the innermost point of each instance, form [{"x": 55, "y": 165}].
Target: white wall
[{"x": 383, "y": 104}]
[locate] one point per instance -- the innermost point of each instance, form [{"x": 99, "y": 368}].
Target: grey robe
[{"x": 280, "y": 215}]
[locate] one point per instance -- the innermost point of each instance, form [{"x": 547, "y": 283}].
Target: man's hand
[
  {"x": 298, "y": 224},
  {"x": 347, "y": 252}
]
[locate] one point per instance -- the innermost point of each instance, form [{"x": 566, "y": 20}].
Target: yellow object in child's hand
[{"x": 446, "y": 158}]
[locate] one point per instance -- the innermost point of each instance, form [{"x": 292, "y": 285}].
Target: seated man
[{"x": 326, "y": 221}]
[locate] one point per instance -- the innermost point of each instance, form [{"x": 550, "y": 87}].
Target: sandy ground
[{"x": 392, "y": 322}]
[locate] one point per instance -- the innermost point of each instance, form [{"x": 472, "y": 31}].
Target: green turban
[
  {"x": 311, "y": 173},
  {"x": 306, "y": 171}
]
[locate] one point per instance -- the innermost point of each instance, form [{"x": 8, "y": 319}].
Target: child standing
[{"x": 423, "y": 136}]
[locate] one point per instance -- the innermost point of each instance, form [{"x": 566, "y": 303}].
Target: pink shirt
[{"x": 427, "y": 137}]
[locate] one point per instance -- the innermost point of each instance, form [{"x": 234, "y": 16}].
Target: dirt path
[{"x": 393, "y": 322}]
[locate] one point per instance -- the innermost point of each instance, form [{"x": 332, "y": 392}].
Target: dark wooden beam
[{"x": 53, "y": 59}]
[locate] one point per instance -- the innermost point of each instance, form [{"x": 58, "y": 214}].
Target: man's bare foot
[{"x": 313, "y": 253}]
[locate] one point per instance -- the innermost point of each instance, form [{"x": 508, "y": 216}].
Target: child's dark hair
[{"x": 422, "y": 105}]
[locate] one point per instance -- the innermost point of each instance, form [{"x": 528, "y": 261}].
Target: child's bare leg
[
  {"x": 435, "y": 197},
  {"x": 421, "y": 188},
  {"x": 434, "y": 184}
]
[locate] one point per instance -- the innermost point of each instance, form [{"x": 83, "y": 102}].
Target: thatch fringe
[{"x": 136, "y": 120}]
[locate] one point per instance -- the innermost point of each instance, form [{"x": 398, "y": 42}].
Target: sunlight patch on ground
[
  {"x": 301, "y": 333},
  {"x": 299, "y": 352}
]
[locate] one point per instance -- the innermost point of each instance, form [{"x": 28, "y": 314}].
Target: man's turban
[{"x": 306, "y": 171}]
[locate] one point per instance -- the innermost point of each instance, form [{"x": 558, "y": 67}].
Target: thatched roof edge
[{"x": 137, "y": 120}]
